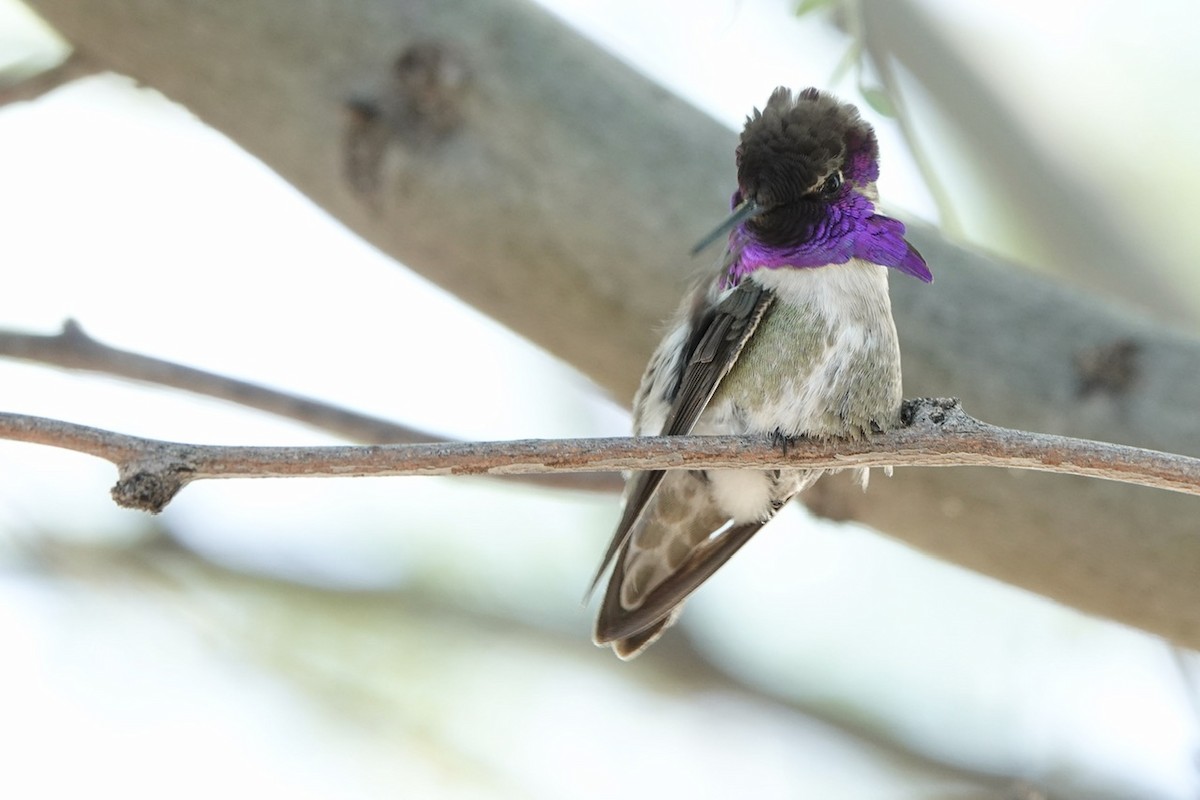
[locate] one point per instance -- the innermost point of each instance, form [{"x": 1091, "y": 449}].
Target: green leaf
[
  {"x": 809, "y": 6},
  {"x": 879, "y": 100}
]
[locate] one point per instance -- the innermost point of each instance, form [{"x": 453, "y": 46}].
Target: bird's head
[
  {"x": 798, "y": 158},
  {"x": 806, "y": 168}
]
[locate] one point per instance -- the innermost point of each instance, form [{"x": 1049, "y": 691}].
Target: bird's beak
[{"x": 741, "y": 212}]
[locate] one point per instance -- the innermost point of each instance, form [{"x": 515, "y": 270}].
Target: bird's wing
[{"x": 716, "y": 339}]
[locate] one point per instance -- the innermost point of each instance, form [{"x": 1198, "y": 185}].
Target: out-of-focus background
[{"x": 424, "y": 637}]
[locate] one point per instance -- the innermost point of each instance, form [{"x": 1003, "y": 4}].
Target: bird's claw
[{"x": 781, "y": 440}]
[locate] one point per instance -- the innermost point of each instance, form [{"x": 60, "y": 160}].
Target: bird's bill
[{"x": 741, "y": 212}]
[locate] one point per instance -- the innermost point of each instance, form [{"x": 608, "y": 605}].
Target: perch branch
[
  {"x": 937, "y": 433},
  {"x": 72, "y": 348}
]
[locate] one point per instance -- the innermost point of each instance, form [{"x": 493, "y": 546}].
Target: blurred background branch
[
  {"x": 1064, "y": 226},
  {"x": 390, "y": 699},
  {"x": 21, "y": 88}
]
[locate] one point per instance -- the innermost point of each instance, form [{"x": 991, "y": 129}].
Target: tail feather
[{"x": 680, "y": 540}]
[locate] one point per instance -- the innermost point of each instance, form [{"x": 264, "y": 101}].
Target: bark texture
[{"x": 544, "y": 182}]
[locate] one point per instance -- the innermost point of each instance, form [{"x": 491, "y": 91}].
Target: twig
[
  {"x": 937, "y": 433},
  {"x": 948, "y": 217},
  {"x": 73, "y": 348}
]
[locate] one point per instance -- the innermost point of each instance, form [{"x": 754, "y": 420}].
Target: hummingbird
[{"x": 791, "y": 336}]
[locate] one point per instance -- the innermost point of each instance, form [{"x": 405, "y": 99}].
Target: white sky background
[{"x": 118, "y": 211}]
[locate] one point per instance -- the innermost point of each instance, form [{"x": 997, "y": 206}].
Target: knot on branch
[
  {"x": 72, "y": 333},
  {"x": 422, "y": 104},
  {"x": 428, "y": 90},
  {"x": 149, "y": 487},
  {"x": 937, "y": 412}
]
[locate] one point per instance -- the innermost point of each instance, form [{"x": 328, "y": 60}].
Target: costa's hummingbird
[{"x": 792, "y": 336}]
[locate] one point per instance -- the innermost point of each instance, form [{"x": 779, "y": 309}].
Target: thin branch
[
  {"x": 851, "y": 17},
  {"x": 74, "y": 349},
  {"x": 948, "y": 216},
  {"x": 938, "y": 433}
]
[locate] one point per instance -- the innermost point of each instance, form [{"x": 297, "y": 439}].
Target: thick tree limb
[
  {"x": 562, "y": 204},
  {"x": 937, "y": 434},
  {"x": 72, "y": 348}
]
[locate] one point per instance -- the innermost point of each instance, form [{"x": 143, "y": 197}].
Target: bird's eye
[{"x": 832, "y": 184}]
